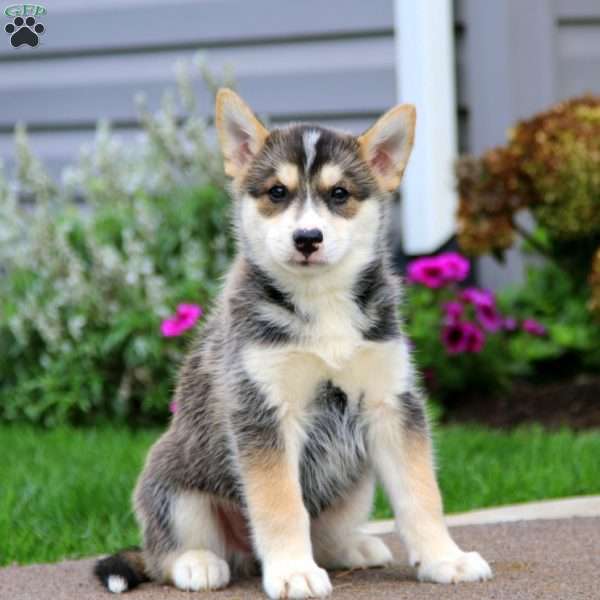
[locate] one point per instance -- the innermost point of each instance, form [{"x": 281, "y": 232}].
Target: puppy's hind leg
[
  {"x": 337, "y": 541},
  {"x": 200, "y": 561},
  {"x": 184, "y": 543}
]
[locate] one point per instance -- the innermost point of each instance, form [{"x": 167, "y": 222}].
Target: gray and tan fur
[{"x": 300, "y": 390}]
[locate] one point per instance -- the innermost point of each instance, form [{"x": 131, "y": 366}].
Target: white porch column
[{"x": 424, "y": 32}]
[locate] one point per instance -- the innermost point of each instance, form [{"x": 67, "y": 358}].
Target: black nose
[{"x": 307, "y": 240}]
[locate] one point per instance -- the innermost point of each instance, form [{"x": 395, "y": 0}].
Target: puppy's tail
[{"x": 122, "y": 571}]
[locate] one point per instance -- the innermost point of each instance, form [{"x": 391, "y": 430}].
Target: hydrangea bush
[
  {"x": 102, "y": 277},
  {"x": 550, "y": 166}
]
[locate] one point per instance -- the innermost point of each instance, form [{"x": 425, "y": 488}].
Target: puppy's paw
[
  {"x": 364, "y": 552},
  {"x": 295, "y": 579},
  {"x": 197, "y": 570},
  {"x": 467, "y": 566}
]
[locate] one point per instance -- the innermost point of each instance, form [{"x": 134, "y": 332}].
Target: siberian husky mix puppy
[{"x": 300, "y": 389}]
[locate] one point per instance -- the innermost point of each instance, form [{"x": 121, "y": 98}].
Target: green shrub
[
  {"x": 571, "y": 345},
  {"x": 85, "y": 286}
]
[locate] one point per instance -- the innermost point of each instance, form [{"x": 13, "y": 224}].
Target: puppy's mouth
[{"x": 307, "y": 261}]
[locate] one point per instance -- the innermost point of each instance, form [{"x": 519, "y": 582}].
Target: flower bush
[
  {"x": 464, "y": 339},
  {"x": 99, "y": 296}
]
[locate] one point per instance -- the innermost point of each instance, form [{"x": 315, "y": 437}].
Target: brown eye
[
  {"x": 278, "y": 193},
  {"x": 339, "y": 195}
]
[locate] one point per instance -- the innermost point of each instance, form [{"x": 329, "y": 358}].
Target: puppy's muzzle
[{"x": 307, "y": 240}]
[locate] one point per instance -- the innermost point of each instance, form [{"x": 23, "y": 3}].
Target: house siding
[
  {"x": 328, "y": 62},
  {"x": 519, "y": 58}
]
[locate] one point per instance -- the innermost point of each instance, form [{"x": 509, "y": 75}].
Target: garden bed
[{"x": 573, "y": 403}]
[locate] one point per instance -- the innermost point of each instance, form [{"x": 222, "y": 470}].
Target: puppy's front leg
[
  {"x": 402, "y": 453},
  {"x": 268, "y": 452}
]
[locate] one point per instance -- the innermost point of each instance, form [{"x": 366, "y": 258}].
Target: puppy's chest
[
  {"x": 334, "y": 455},
  {"x": 332, "y": 329}
]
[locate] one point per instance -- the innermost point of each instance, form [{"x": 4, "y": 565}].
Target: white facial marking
[
  {"x": 309, "y": 217},
  {"x": 310, "y": 139}
]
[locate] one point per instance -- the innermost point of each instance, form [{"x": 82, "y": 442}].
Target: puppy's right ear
[{"x": 241, "y": 134}]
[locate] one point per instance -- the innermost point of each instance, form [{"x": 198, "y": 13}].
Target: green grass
[{"x": 66, "y": 492}]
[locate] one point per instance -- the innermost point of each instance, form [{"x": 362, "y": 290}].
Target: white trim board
[{"x": 424, "y": 33}]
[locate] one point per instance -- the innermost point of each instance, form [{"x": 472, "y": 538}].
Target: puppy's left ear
[
  {"x": 387, "y": 144},
  {"x": 241, "y": 134}
]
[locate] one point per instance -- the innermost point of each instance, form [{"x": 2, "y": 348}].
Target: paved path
[{"x": 544, "y": 559}]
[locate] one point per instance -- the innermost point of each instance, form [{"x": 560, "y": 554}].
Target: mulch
[{"x": 574, "y": 404}]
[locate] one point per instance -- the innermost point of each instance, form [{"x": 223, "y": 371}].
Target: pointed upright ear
[
  {"x": 241, "y": 134},
  {"x": 387, "y": 144}
]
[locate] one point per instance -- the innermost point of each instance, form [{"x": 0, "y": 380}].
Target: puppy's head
[{"x": 311, "y": 198}]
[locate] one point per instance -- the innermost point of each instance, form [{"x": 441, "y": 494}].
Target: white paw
[
  {"x": 467, "y": 566},
  {"x": 364, "y": 552},
  {"x": 295, "y": 579},
  {"x": 197, "y": 570}
]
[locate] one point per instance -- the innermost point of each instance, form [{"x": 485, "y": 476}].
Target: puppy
[{"x": 300, "y": 390}]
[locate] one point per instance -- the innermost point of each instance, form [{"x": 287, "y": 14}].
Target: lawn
[{"x": 66, "y": 492}]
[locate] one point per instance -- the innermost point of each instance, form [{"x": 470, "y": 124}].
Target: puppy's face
[{"x": 311, "y": 198}]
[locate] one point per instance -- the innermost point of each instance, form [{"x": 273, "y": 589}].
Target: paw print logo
[{"x": 24, "y": 31}]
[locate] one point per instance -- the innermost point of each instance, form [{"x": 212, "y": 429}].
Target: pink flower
[
  {"x": 485, "y": 307},
  {"x": 173, "y": 406},
  {"x": 456, "y": 266},
  {"x": 475, "y": 338},
  {"x": 488, "y": 317},
  {"x": 478, "y": 296},
  {"x": 185, "y": 318},
  {"x": 427, "y": 271},
  {"x": 462, "y": 337},
  {"x": 454, "y": 338},
  {"x": 533, "y": 327},
  {"x": 453, "y": 311},
  {"x": 509, "y": 324},
  {"x": 437, "y": 271}
]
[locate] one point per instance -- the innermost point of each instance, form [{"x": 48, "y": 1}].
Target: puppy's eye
[
  {"x": 278, "y": 193},
  {"x": 339, "y": 194}
]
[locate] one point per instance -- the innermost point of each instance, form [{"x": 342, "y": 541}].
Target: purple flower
[
  {"x": 462, "y": 337},
  {"x": 453, "y": 311},
  {"x": 488, "y": 317},
  {"x": 185, "y": 318},
  {"x": 484, "y": 302},
  {"x": 173, "y": 406},
  {"x": 475, "y": 338},
  {"x": 454, "y": 338},
  {"x": 510, "y": 324},
  {"x": 478, "y": 296},
  {"x": 437, "y": 271},
  {"x": 533, "y": 327}
]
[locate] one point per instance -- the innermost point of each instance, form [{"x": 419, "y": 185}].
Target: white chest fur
[{"x": 332, "y": 330}]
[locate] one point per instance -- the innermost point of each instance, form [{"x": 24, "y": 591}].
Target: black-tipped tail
[{"x": 122, "y": 571}]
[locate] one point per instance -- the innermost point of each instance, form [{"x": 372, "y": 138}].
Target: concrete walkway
[
  {"x": 539, "y": 559},
  {"x": 564, "y": 508}
]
